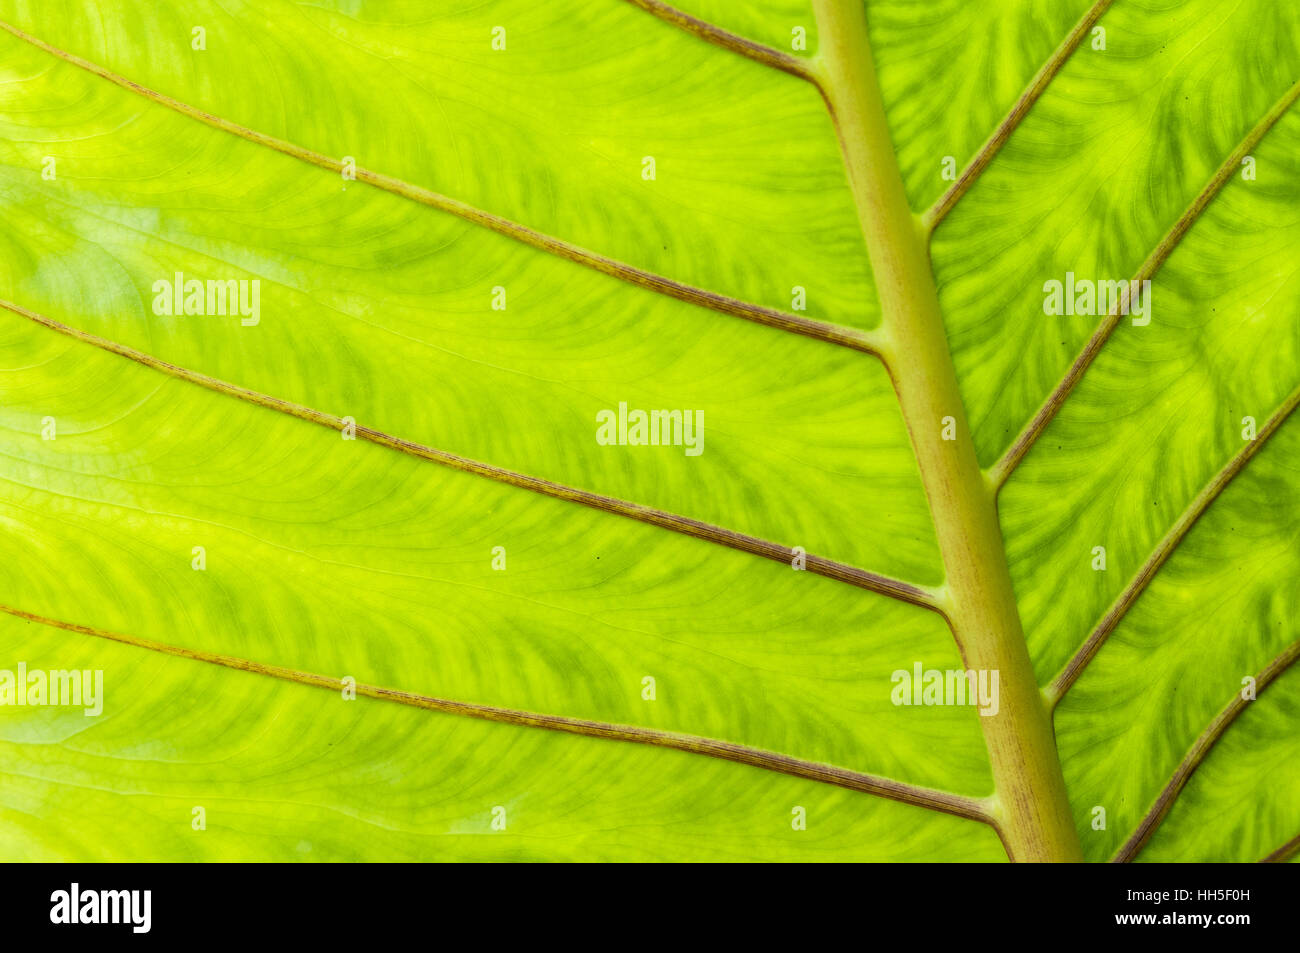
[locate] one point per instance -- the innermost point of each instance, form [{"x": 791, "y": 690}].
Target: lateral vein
[
  {"x": 1283, "y": 853},
  {"x": 1002, "y": 469},
  {"x": 730, "y": 41},
  {"x": 980, "y": 161},
  {"x": 1061, "y": 684},
  {"x": 842, "y": 335},
  {"x": 1196, "y": 754},
  {"x": 922, "y": 596},
  {"x": 936, "y": 800}
]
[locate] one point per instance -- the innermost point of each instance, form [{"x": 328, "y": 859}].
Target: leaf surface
[{"x": 339, "y": 558}]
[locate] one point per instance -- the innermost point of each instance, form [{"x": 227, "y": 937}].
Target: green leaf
[{"x": 504, "y": 713}]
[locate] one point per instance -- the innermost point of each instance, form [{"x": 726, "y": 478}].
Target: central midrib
[{"x": 1030, "y": 802}]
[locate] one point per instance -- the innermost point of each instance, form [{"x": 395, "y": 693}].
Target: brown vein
[
  {"x": 728, "y": 41},
  {"x": 1283, "y": 853},
  {"x": 1192, "y": 760},
  {"x": 1074, "y": 668},
  {"x": 916, "y": 795},
  {"x": 922, "y": 596},
  {"x": 854, "y": 338},
  {"x": 1001, "y": 470},
  {"x": 935, "y": 214}
]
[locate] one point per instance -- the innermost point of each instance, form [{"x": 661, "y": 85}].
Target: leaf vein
[
  {"x": 1037, "y": 86},
  {"x": 943, "y": 801},
  {"x": 842, "y": 335},
  {"x": 1000, "y": 472},
  {"x": 1196, "y": 755},
  {"x": 1061, "y": 684},
  {"x": 923, "y": 596},
  {"x": 710, "y": 33}
]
